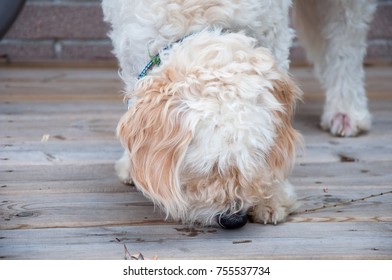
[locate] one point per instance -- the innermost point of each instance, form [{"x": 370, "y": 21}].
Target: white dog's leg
[
  {"x": 334, "y": 36},
  {"x": 123, "y": 168},
  {"x": 277, "y": 205},
  {"x": 276, "y": 33}
]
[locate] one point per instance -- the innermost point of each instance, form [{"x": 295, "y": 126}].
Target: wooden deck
[{"x": 60, "y": 198}]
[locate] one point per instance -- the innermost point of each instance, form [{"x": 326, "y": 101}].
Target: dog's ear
[
  {"x": 282, "y": 154},
  {"x": 156, "y": 136}
]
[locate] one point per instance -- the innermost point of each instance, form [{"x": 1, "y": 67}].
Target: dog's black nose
[{"x": 232, "y": 221}]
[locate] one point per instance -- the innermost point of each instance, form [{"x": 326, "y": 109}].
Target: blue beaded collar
[{"x": 156, "y": 60}]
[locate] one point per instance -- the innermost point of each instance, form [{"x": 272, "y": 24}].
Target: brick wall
[
  {"x": 74, "y": 30},
  {"x": 58, "y": 30}
]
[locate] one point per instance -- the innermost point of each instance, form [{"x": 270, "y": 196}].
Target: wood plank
[
  {"x": 356, "y": 174},
  {"x": 61, "y": 74},
  {"x": 378, "y": 79},
  {"x": 67, "y": 147},
  {"x": 349, "y": 240},
  {"x": 43, "y": 110},
  {"x": 108, "y": 184},
  {"x": 61, "y": 151},
  {"x": 46, "y": 210},
  {"x": 75, "y": 128},
  {"x": 57, "y": 84},
  {"x": 81, "y": 210},
  {"x": 50, "y": 173},
  {"x": 378, "y": 82}
]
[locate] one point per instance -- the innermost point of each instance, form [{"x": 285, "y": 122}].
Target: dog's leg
[
  {"x": 334, "y": 36},
  {"x": 277, "y": 205},
  {"x": 123, "y": 168},
  {"x": 276, "y": 34}
]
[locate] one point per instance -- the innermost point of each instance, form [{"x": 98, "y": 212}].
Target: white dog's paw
[
  {"x": 345, "y": 124},
  {"x": 122, "y": 168},
  {"x": 277, "y": 207},
  {"x": 269, "y": 215}
]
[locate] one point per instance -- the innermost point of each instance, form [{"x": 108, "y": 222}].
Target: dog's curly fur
[{"x": 209, "y": 131}]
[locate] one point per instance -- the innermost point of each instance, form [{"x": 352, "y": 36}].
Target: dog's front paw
[
  {"x": 277, "y": 206},
  {"x": 345, "y": 124},
  {"x": 269, "y": 215}
]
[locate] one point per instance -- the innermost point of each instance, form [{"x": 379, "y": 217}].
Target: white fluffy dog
[{"x": 208, "y": 134}]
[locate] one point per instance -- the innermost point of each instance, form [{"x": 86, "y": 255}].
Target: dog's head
[{"x": 181, "y": 97}]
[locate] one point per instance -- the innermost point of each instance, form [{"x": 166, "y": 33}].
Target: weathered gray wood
[
  {"x": 60, "y": 151},
  {"x": 81, "y": 210},
  {"x": 77, "y": 209},
  {"x": 378, "y": 83},
  {"x": 348, "y": 240},
  {"x": 108, "y": 147}
]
